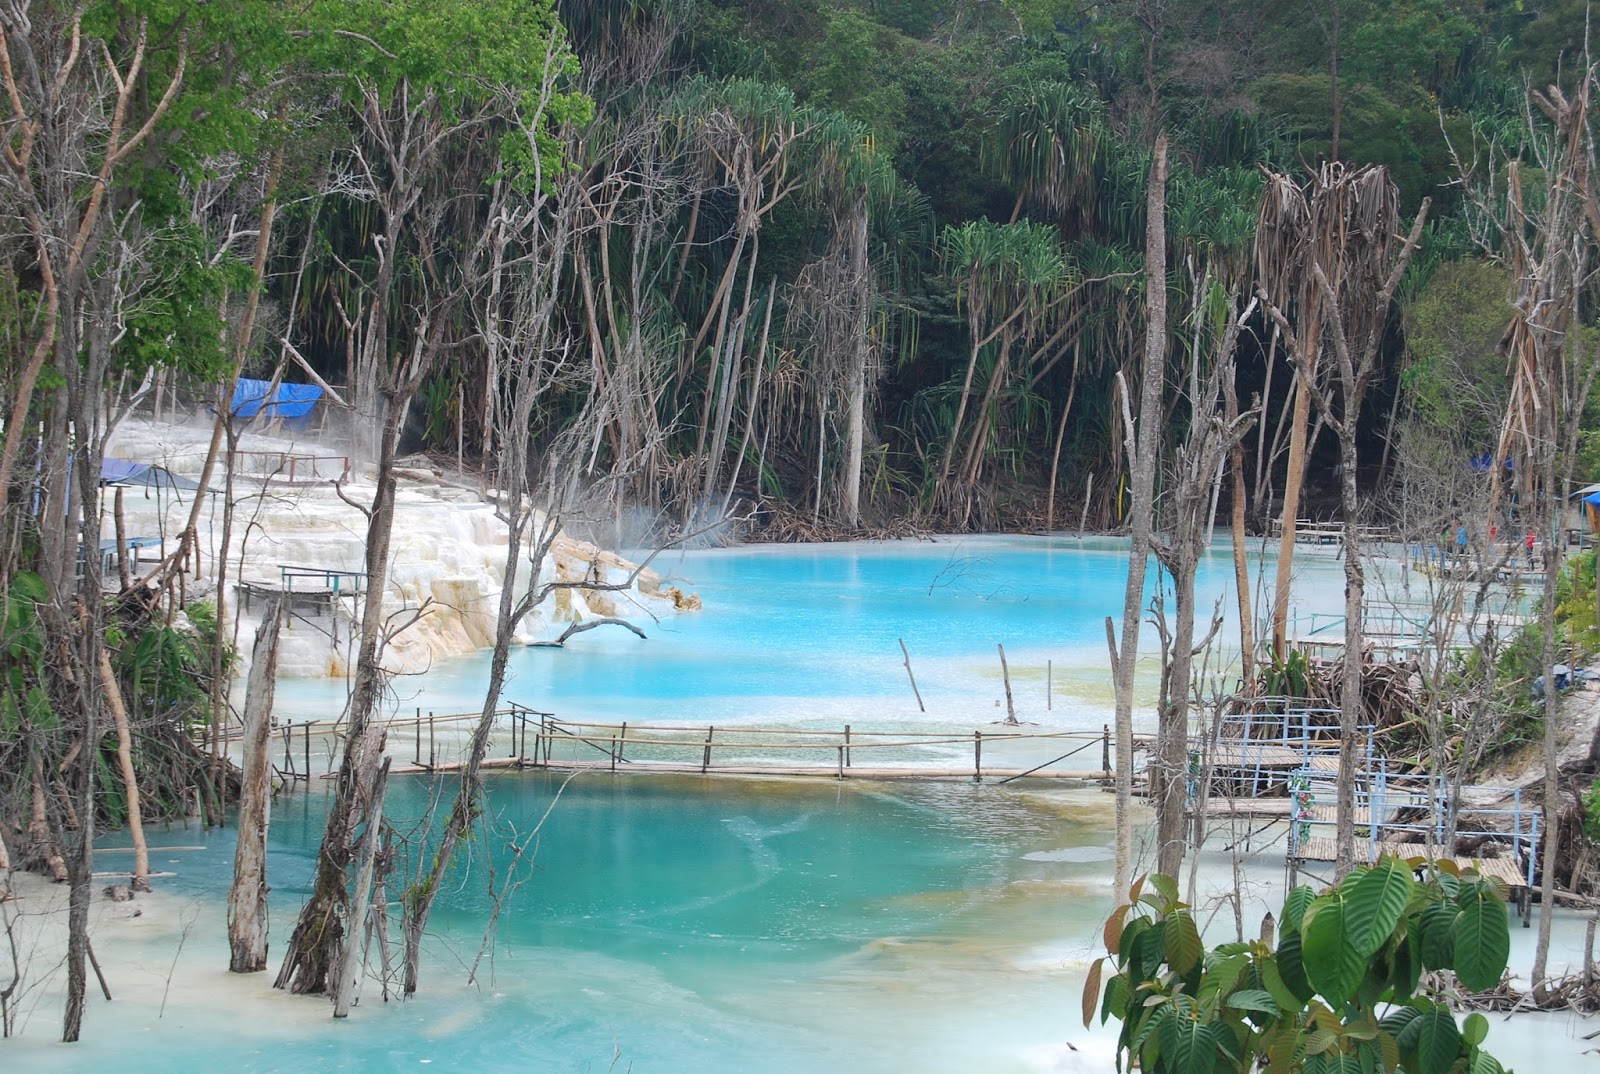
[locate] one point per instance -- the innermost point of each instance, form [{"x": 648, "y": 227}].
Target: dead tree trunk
[
  {"x": 1142, "y": 457},
  {"x": 247, "y": 898},
  {"x": 130, "y": 779},
  {"x": 353, "y": 956},
  {"x": 311, "y": 960}
]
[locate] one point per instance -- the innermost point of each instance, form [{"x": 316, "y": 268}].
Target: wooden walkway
[{"x": 528, "y": 739}]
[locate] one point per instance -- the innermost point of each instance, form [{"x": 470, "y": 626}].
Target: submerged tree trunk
[
  {"x": 1241, "y": 566},
  {"x": 140, "y": 881},
  {"x": 353, "y": 955},
  {"x": 418, "y": 900},
  {"x": 247, "y": 897},
  {"x": 1292, "y": 480},
  {"x": 1351, "y": 701},
  {"x": 312, "y": 957},
  {"x": 1143, "y": 462}
]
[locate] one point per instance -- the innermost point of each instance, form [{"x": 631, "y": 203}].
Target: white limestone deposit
[{"x": 447, "y": 556}]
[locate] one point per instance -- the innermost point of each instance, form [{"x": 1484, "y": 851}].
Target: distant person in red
[{"x": 1527, "y": 543}]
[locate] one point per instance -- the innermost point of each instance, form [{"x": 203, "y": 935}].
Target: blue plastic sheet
[{"x": 288, "y": 401}]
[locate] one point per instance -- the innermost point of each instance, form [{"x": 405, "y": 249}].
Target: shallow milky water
[
  {"x": 677, "y": 924},
  {"x": 811, "y": 633}
]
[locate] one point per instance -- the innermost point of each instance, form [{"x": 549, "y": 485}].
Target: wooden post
[
  {"x": 433, "y": 757},
  {"x": 1049, "y": 686},
  {"x": 416, "y": 749},
  {"x": 841, "y": 774},
  {"x": 912, "y": 677},
  {"x": 705, "y": 762},
  {"x": 622, "y": 743},
  {"x": 1005, "y": 673},
  {"x": 247, "y": 897},
  {"x": 847, "y": 745},
  {"x": 977, "y": 756},
  {"x": 122, "y": 541},
  {"x": 1088, "y": 494},
  {"x": 613, "y": 753},
  {"x": 1588, "y": 951},
  {"x": 1105, "y": 748},
  {"x": 307, "y": 726}
]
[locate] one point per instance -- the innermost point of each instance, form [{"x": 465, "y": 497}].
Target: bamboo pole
[
  {"x": 1005, "y": 675},
  {"x": 920, "y": 706}
]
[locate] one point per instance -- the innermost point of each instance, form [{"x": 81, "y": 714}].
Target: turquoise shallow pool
[
  {"x": 680, "y": 924},
  {"x": 811, "y": 633},
  {"x": 674, "y": 925}
]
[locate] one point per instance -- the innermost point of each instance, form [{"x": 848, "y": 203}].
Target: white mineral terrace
[{"x": 447, "y": 556}]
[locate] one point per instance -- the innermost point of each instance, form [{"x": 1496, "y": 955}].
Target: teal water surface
[
  {"x": 812, "y": 633},
  {"x": 682, "y": 925}
]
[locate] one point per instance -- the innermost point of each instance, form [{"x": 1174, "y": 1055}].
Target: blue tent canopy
[
  {"x": 143, "y": 475},
  {"x": 289, "y": 401},
  {"x": 1593, "y": 499}
]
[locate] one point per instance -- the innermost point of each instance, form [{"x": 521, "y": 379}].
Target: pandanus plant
[{"x": 1011, "y": 278}]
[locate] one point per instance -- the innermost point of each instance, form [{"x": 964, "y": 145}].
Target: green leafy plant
[
  {"x": 1341, "y": 993},
  {"x": 1290, "y": 675},
  {"x": 1591, "y": 812}
]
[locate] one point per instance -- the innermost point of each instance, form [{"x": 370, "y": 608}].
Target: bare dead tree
[
  {"x": 1346, "y": 243},
  {"x": 1186, "y": 521},
  {"x": 1141, "y": 450}
]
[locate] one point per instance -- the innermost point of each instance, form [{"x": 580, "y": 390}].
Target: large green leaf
[
  {"x": 1432, "y": 1041},
  {"x": 1373, "y": 903},
  {"x": 1181, "y": 941},
  {"x": 1333, "y": 965},
  {"x": 1116, "y": 999},
  {"x": 1186, "y": 1045},
  {"x": 1291, "y": 966},
  {"x": 1148, "y": 950},
  {"x": 1438, "y": 936},
  {"x": 1482, "y": 934},
  {"x": 1295, "y": 905},
  {"x": 1484, "y": 1063},
  {"x": 1253, "y": 999},
  {"x": 1277, "y": 987}
]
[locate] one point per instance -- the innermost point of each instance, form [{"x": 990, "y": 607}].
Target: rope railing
[{"x": 528, "y": 738}]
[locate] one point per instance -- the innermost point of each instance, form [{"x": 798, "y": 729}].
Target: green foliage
[
  {"x": 1289, "y": 674},
  {"x": 1455, "y": 379},
  {"x": 1340, "y": 992},
  {"x": 24, "y": 702},
  {"x": 1591, "y": 812},
  {"x": 176, "y": 322},
  {"x": 1576, "y": 624}
]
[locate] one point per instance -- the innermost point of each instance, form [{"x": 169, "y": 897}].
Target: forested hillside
[{"x": 829, "y": 264}]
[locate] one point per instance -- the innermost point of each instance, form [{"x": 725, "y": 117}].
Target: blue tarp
[
  {"x": 1482, "y": 464},
  {"x": 289, "y": 401},
  {"x": 1593, "y": 499},
  {"x": 123, "y": 472}
]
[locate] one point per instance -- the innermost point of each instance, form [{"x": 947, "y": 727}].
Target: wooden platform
[
  {"x": 1503, "y": 869},
  {"x": 1233, "y": 756}
]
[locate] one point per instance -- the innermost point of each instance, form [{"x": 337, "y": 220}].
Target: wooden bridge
[{"x": 527, "y": 738}]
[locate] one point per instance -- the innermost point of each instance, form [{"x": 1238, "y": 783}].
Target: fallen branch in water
[{"x": 588, "y": 624}]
